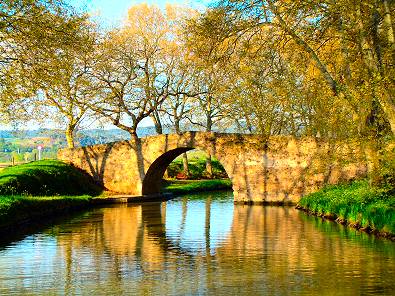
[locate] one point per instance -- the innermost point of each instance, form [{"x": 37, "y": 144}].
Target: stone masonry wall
[{"x": 281, "y": 170}]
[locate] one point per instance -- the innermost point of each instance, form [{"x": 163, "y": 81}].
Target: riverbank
[
  {"x": 17, "y": 210},
  {"x": 21, "y": 209},
  {"x": 357, "y": 205},
  {"x": 42, "y": 189}
]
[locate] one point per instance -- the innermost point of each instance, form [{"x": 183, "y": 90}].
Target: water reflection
[{"x": 197, "y": 245}]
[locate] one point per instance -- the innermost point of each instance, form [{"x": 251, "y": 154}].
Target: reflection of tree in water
[
  {"x": 288, "y": 250},
  {"x": 130, "y": 241},
  {"x": 134, "y": 234},
  {"x": 265, "y": 248}
]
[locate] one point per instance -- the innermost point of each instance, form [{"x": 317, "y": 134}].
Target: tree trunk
[
  {"x": 136, "y": 146},
  {"x": 185, "y": 164},
  {"x": 157, "y": 123},
  {"x": 344, "y": 50},
  {"x": 376, "y": 40},
  {"x": 385, "y": 100},
  {"x": 386, "y": 103},
  {"x": 209, "y": 123},
  {"x": 374, "y": 162},
  {"x": 70, "y": 136},
  {"x": 209, "y": 166},
  {"x": 388, "y": 24}
]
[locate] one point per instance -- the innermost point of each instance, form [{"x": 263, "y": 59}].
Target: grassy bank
[
  {"x": 19, "y": 209},
  {"x": 357, "y": 204},
  {"x": 46, "y": 177},
  {"x": 45, "y": 188},
  {"x": 188, "y": 186},
  {"x": 40, "y": 189}
]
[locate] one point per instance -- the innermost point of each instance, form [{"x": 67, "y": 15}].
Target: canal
[{"x": 195, "y": 245}]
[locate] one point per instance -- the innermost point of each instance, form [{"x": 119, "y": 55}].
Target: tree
[
  {"x": 68, "y": 89},
  {"x": 179, "y": 106},
  {"x": 134, "y": 69},
  {"x": 31, "y": 33},
  {"x": 209, "y": 101},
  {"x": 350, "y": 46}
]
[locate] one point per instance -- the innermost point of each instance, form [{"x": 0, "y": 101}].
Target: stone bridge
[{"x": 280, "y": 170}]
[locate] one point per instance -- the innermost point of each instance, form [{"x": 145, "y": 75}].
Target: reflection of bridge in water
[{"x": 250, "y": 239}]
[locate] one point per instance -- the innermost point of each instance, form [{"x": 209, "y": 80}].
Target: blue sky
[{"x": 112, "y": 12}]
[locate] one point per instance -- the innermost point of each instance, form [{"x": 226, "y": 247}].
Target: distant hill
[
  {"x": 12, "y": 140},
  {"x": 21, "y": 145},
  {"x": 97, "y": 135}
]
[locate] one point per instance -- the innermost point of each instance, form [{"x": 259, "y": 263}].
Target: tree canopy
[{"x": 301, "y": 68}]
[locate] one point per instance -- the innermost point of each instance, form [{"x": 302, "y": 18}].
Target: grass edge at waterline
[
  {"x": 21, "y": 209},
  {"x": 16, "y": 210},
  {"x": 358, "y": 205}
]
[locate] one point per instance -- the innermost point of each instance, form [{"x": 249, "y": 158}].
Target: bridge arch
[
  {"x": 152, "y": 182},
  {"x": 155, "y": 172}
]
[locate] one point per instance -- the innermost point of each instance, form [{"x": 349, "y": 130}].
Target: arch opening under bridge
[{"x": 152, "y": 183}]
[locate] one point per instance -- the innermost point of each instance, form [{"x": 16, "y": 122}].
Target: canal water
[{"x": 195, "y": 245}]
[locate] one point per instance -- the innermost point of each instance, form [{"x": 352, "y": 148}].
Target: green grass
[
  {"x": 357, "y": 203},
  {"x": 42, "y": 188},
  {"x": 197, "y": 167},
  {"x": 46, "y": 178},
  {"x": 187, "y": 186},
  {"x": 16, "y": 209}
]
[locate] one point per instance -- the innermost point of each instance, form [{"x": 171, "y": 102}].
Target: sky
[{"x": 111, "y": 12}]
